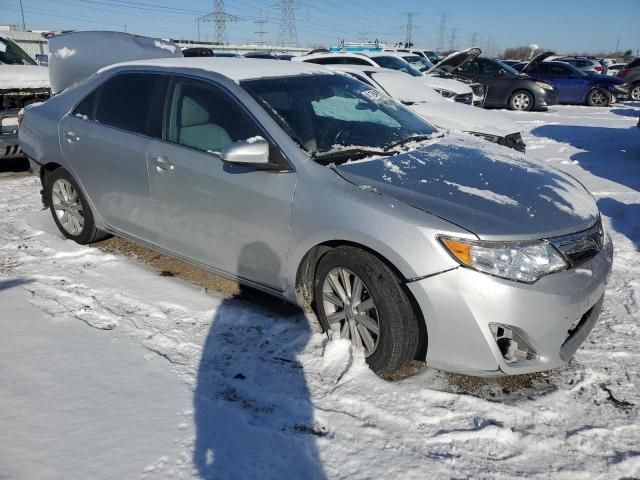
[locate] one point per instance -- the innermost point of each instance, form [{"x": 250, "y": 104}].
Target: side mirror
[{"x": 251, "y": 152}]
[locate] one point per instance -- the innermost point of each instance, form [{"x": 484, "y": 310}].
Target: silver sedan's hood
[{"x": 491, "y": 191}]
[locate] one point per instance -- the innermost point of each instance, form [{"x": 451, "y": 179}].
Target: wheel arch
[{"x": 305, "y": 277}]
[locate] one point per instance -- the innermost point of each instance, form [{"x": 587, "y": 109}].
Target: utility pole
[
  {"x": 261, "y": 31},
  {"x": 618, "y": 45},
  {"x": 287, "y": 34},
  {"x": 409, "y": 29},
  {"x": 24, "y": 26},
  {"x": 474, "y": 39},
  {"x": 442, "y": 31}
]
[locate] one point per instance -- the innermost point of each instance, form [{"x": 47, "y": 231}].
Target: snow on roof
[
  {"x": 303, "y": 58},
  {"x": 237, "y": 69}
]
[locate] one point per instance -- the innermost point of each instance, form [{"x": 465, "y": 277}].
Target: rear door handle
[
  {"x": 162, "y": 164},
  {"x": 71, "y": 136}
]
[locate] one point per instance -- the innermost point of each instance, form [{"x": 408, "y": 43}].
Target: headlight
[
  {"x": 520, "y": 261},
  {"x": 445, "y": 93},
  {"x": 545, "y": 85}
]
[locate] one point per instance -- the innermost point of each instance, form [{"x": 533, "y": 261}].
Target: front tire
[
  {"x": 359, "y": 296},
  {"x": 521, "y": 100},
  {"x": 634, "y": 94},
  {"x": 70, "y": 208},
  {"x": 598, "y": 97}
]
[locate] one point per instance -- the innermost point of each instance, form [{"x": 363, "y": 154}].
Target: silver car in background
[{"x": 312, "y": 186}]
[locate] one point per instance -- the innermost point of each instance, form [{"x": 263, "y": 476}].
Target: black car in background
[
  {"x": 206, "y": 52},
  {"x": 505, "y": 86}
]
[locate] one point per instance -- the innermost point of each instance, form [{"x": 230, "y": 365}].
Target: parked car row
[{"x": 311, "y": 184}]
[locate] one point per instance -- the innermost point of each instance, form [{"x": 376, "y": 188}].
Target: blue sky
[{"x": 563, "y": 25}]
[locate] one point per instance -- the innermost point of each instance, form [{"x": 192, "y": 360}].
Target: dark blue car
[{"x": 575, "y": 86}]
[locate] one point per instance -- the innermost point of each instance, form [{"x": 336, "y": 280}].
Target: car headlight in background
[
  {"x": 445, "y": 93},
  {"x": 545, "y": 85},
  {"x": 519, "y": 261}
]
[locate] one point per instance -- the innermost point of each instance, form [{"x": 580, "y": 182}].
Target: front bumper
[
  {"x": 546, "y": 98},
  {"x": 9, "y": 145},
  {"x": 459, "y": 305}
]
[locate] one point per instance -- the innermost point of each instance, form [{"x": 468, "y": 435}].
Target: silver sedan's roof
[{"x": 236, "y": 69}]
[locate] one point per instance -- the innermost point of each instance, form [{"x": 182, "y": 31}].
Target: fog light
[{"x": 511, "y": 344}]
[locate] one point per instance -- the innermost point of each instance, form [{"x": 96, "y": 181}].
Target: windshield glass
[
  {"x": 418, "y": 62},
  {"x": 12, "y": 54},
  {"x": 397, "y": 63},
  {"x": 328, "y": 114}
]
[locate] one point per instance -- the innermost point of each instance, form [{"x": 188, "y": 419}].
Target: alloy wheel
[
  {"x": 521, "y": 101},
  {"x": 350, "y": 308},
  {"x": 598, "y": 98},
  {"x": 67, "y": 206},
  {"x": 635, "y": 93}
]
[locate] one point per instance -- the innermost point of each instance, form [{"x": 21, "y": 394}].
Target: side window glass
[
  {"x": 87, "y": 108},
  {"x": 487, "y": 68},
  {"x": 204, "y": 117},
  {"x": 126, "y": 101},
  {"x": 465, "y": 67}
]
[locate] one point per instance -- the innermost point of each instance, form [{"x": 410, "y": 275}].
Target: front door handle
[
  {"x": 71, "y": 136},
  {"x": 162, "y": 164}
]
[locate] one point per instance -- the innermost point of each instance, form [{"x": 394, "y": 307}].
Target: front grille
[
  {"x": 579, "y": 247},
  {"x": 464, "y": 98},
  {"x": 478, "y": 89}
]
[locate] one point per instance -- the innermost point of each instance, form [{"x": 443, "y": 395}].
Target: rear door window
[{"x": 129, "y": 101}]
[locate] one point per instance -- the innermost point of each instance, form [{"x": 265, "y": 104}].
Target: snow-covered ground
[{"x": 110, "y": 371}]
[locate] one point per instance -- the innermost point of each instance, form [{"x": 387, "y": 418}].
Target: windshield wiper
[
  {"x": 344, "y": 154},
  {"x": 410, "y": 138}
]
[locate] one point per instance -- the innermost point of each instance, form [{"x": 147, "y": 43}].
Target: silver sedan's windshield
[{"x": 337, "y": 116}]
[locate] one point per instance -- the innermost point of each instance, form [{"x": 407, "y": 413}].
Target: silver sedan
[{"x": 312, "y": 186}]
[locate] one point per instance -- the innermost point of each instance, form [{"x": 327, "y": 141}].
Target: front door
[{"x": 231, "y": 218}]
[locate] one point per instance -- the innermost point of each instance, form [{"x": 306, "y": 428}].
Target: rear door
[
  {"x": 232, "y": 218},
  {"x": 105, "y": 139},
  {"x": 570, "y": 87}
]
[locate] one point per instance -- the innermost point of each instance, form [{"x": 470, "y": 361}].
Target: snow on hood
[
  {"x": 78, "y": 55},
  {"x": 465, "y": 118},
  {"x": 447, "y": 84},
  {"x": 23, "y": 76},
  {"x": 493, "y": 192}
]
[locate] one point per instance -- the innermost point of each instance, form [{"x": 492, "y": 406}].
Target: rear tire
[
  {"x": 522, "y": 101},
  {"x": 598, "y": 97},
  {"x": 70, "y": 209},
  {"x": 383, "y": 300},
  {"x": 634, "y": 94}
]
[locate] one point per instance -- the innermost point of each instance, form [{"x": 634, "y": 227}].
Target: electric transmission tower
[
  {"x": 442, "y": 31},
  {"x": 219, "y": 18},
  {"x": 287, "y": 35},
  {"x": 452, "y": 39},
  {"x": 474, "y": 39},
  {"x": 261, "y": 31},
  {"x": 409, "y": 29}
]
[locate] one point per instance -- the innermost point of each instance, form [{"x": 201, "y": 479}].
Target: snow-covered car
[
  {"x": 317, "y": 188},
  {"x": 22, "y": 83},
  {"x": 425, "y": 101},
  {"x": 449, "y": 88},
  {"x": 435, "y": 77}
]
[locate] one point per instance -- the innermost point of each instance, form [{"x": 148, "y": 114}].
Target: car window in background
[
  {"x": 487, "y": 67},
  {"x": 418, "y": 62},
  {"x": 204, "y": 117},
  {"x": 507, "y": 67},
  {"x": 562, "y": 70},
  {"x": 132, "y": 102},
  {"x": 12, "y": 54},
  {"x": 465, "y": 67},
  {"x": 325, "y": 113},
  {"x": 397, "y": 63}
]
